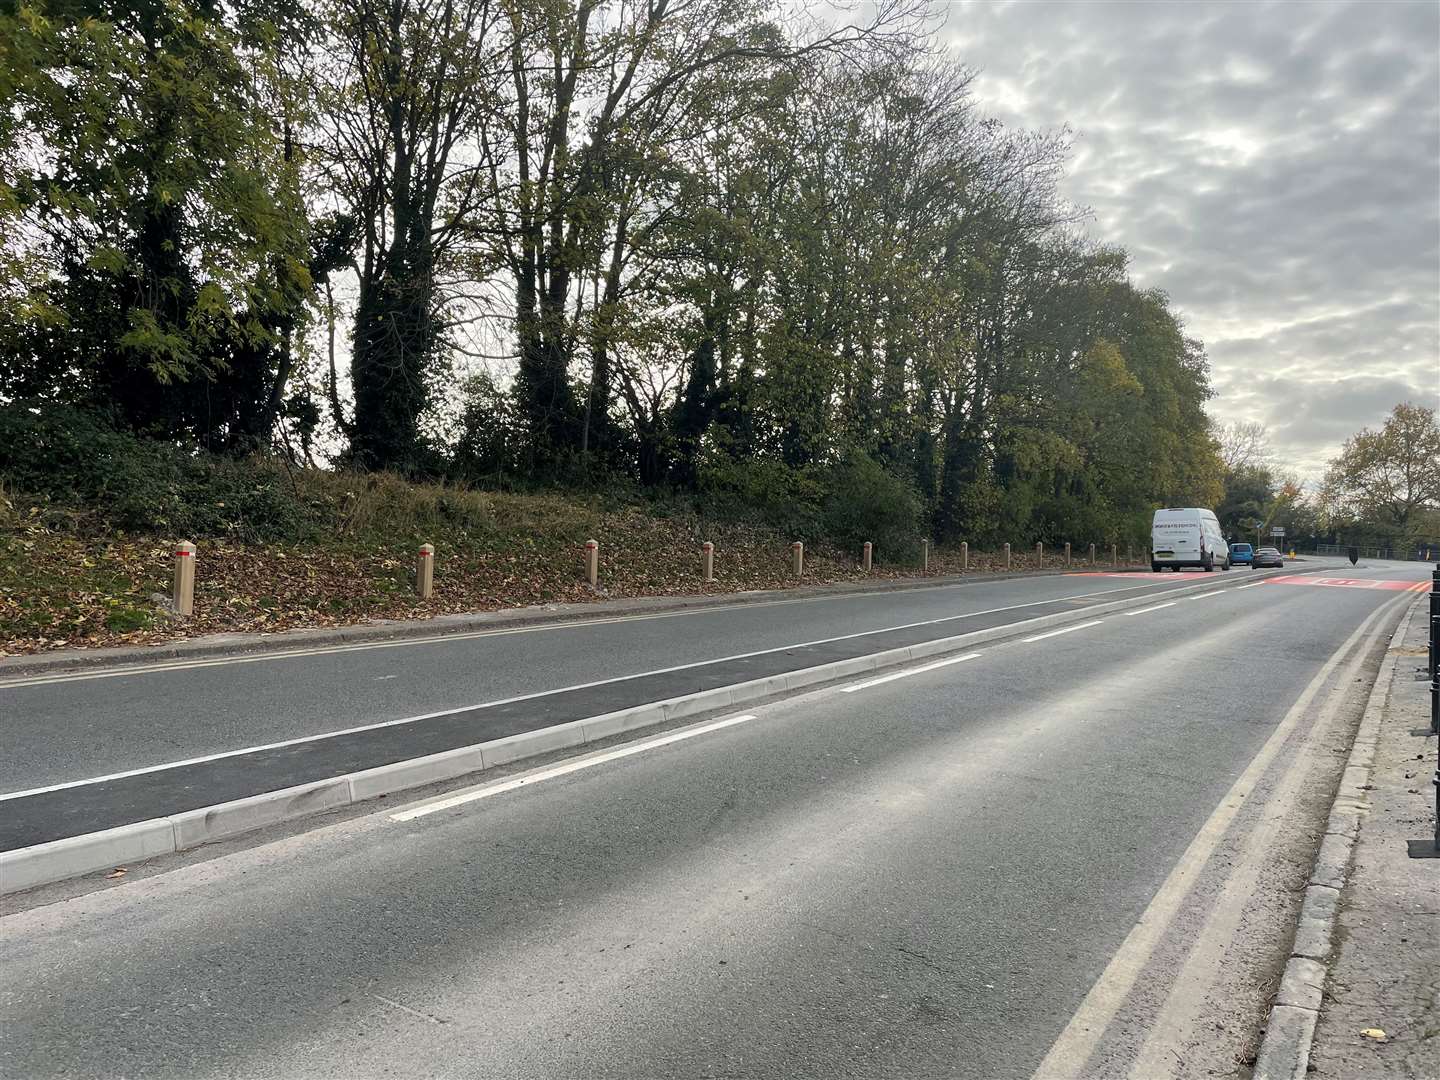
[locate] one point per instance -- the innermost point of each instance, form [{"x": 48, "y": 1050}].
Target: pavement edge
[{"x": 1290, "y": 1028}]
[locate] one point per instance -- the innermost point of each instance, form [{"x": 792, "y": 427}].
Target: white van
[{"x": 1187, "y": 536}]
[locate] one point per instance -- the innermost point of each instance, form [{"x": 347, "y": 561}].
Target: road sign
[{"x": 1276, "y": 530}]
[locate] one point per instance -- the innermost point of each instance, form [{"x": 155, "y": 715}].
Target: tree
[
  {"x": 156, "y": 214},
  {"x": 1244, "y": 445},
  {"x": 1391, "y": 477},
  {"x": 407, "y": 91}
]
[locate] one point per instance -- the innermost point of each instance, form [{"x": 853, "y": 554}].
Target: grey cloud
[{"x": 1274, "y": 167}]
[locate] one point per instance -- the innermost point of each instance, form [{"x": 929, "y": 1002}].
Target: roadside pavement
[{"x": 1384, "y": 969}]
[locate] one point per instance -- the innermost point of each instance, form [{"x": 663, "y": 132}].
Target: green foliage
[
  {"x": 1386, "y": 484},
  {"x": 764, "y": 491},
  {"x": 865, "y": 501},
  {"x": 805, "y": 286},
  {"x": 162, "y": 268},
  {"x": 84, "y": 468}
]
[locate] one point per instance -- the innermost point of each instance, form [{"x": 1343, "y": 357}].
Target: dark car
[
  {"x": 1267, "y": 556},
  {"x": 1241, "y": 554}
]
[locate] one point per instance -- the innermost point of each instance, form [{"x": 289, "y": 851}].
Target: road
[{"x": 1070, "y": 852}]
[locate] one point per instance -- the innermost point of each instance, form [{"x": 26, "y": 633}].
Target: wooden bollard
[
  {"x": 1092, "y": 554},
  {"x": 867, "y": 555},
  {"x": 964, "y": 555},
  {"x": 1067, "y": 553},
  {"x": 1114, "y": 557},
  {"x": 1039, "y": 555},
  {"x": 924, "y": 556},
  {"x": 425, "y": 571},
  {"x": 182, "y": 596},
  {"x": 707, "y": 561},
  {"x": 592, "y": 563},
  {"x": 1007, "y": 556},
  {"x": 797, "y": 558}
]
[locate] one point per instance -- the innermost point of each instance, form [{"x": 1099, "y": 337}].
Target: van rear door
[{"x": 1176, "y": 536}]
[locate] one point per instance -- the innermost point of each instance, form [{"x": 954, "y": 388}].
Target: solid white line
[
  {"x": 1157, "y": 607},
  {"x": 575, "y": 624},
  {"x": 1252, "y": 585},
  {"x": 1063, "y": 630},
  {"x": 907, "y": 673},
  {"x": 1070, "y": 1053},
  {"x": 510, "y": 700},
  {"x": 531, "y": 778},
  {"x": 1200, "y": 969},
  {"x": 1203, "y": 595}
]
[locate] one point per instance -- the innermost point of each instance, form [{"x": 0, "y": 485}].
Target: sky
[{"x": 1274, "y": 167}]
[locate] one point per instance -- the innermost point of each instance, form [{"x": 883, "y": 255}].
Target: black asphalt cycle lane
[{"x": 72, "y": 811}]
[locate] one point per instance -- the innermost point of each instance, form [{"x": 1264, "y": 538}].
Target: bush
[
  {"x": 863, "y": 501},
  {"x": 763, "y": 492},
  {"x": 75, "y": 461}
]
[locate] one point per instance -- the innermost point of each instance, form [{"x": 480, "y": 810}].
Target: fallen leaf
[
  {"x": 119, "y": 871},
  {"x": 1374, "y": 1033}
]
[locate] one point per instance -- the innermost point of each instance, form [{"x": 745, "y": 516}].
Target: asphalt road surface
[{"x": 1068, "y": 854}]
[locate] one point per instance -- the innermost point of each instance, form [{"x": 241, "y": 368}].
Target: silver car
[{"x": 1267, "y": 556}]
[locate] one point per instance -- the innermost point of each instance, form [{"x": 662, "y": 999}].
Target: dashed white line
[
  {"x": 1064, "y": 630},
  {"x": 907, "y": 673},
  {"x": 1157, "y": 607},
  {"x": 1203, "y": 595},
  {"x": 1252, "y": 585},
  {"x": 590, "y": 761}
]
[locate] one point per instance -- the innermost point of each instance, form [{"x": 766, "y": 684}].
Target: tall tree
[
  {"x": 156, "y": 211},
  {"x": 1388, "y": 478},
  {"x": 408, "y": 88}
]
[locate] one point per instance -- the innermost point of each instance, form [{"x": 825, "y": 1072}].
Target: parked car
[
  {"x": 1242, "y": 554},
  {"x": 1267, "y": 556}
]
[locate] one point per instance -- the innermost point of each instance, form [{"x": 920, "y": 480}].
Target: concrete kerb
[{"x": 1290, "y": 1029}]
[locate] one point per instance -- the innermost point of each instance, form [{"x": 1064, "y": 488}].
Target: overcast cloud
[{"x": 1275, "y": 167}]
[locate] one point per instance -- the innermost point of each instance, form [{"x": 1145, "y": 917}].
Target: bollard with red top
[
  {"x": 425, "y": 571},
  {"x": 183, "y": 591},
  {"x": 592, "y": 563},
  {"x": 797, "y": 558}
]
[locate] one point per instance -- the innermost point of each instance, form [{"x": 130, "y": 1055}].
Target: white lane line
[
  {"x": 510, "y": 700},
  {"x": 907, "y": 673},
  {"x": 1157, "y": 607},
  {"x": 1063, "y": 630},
  {"x": 1071, "y": 1051},
  {"x": 1203, "y": 595},
  {"x": 531, "y": 778},
  {"x": 1252, "y": 585},
  {"x": 575, "y": 624}
]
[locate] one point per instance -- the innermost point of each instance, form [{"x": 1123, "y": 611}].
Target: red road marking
[{"x": 1352, "y": 583}]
